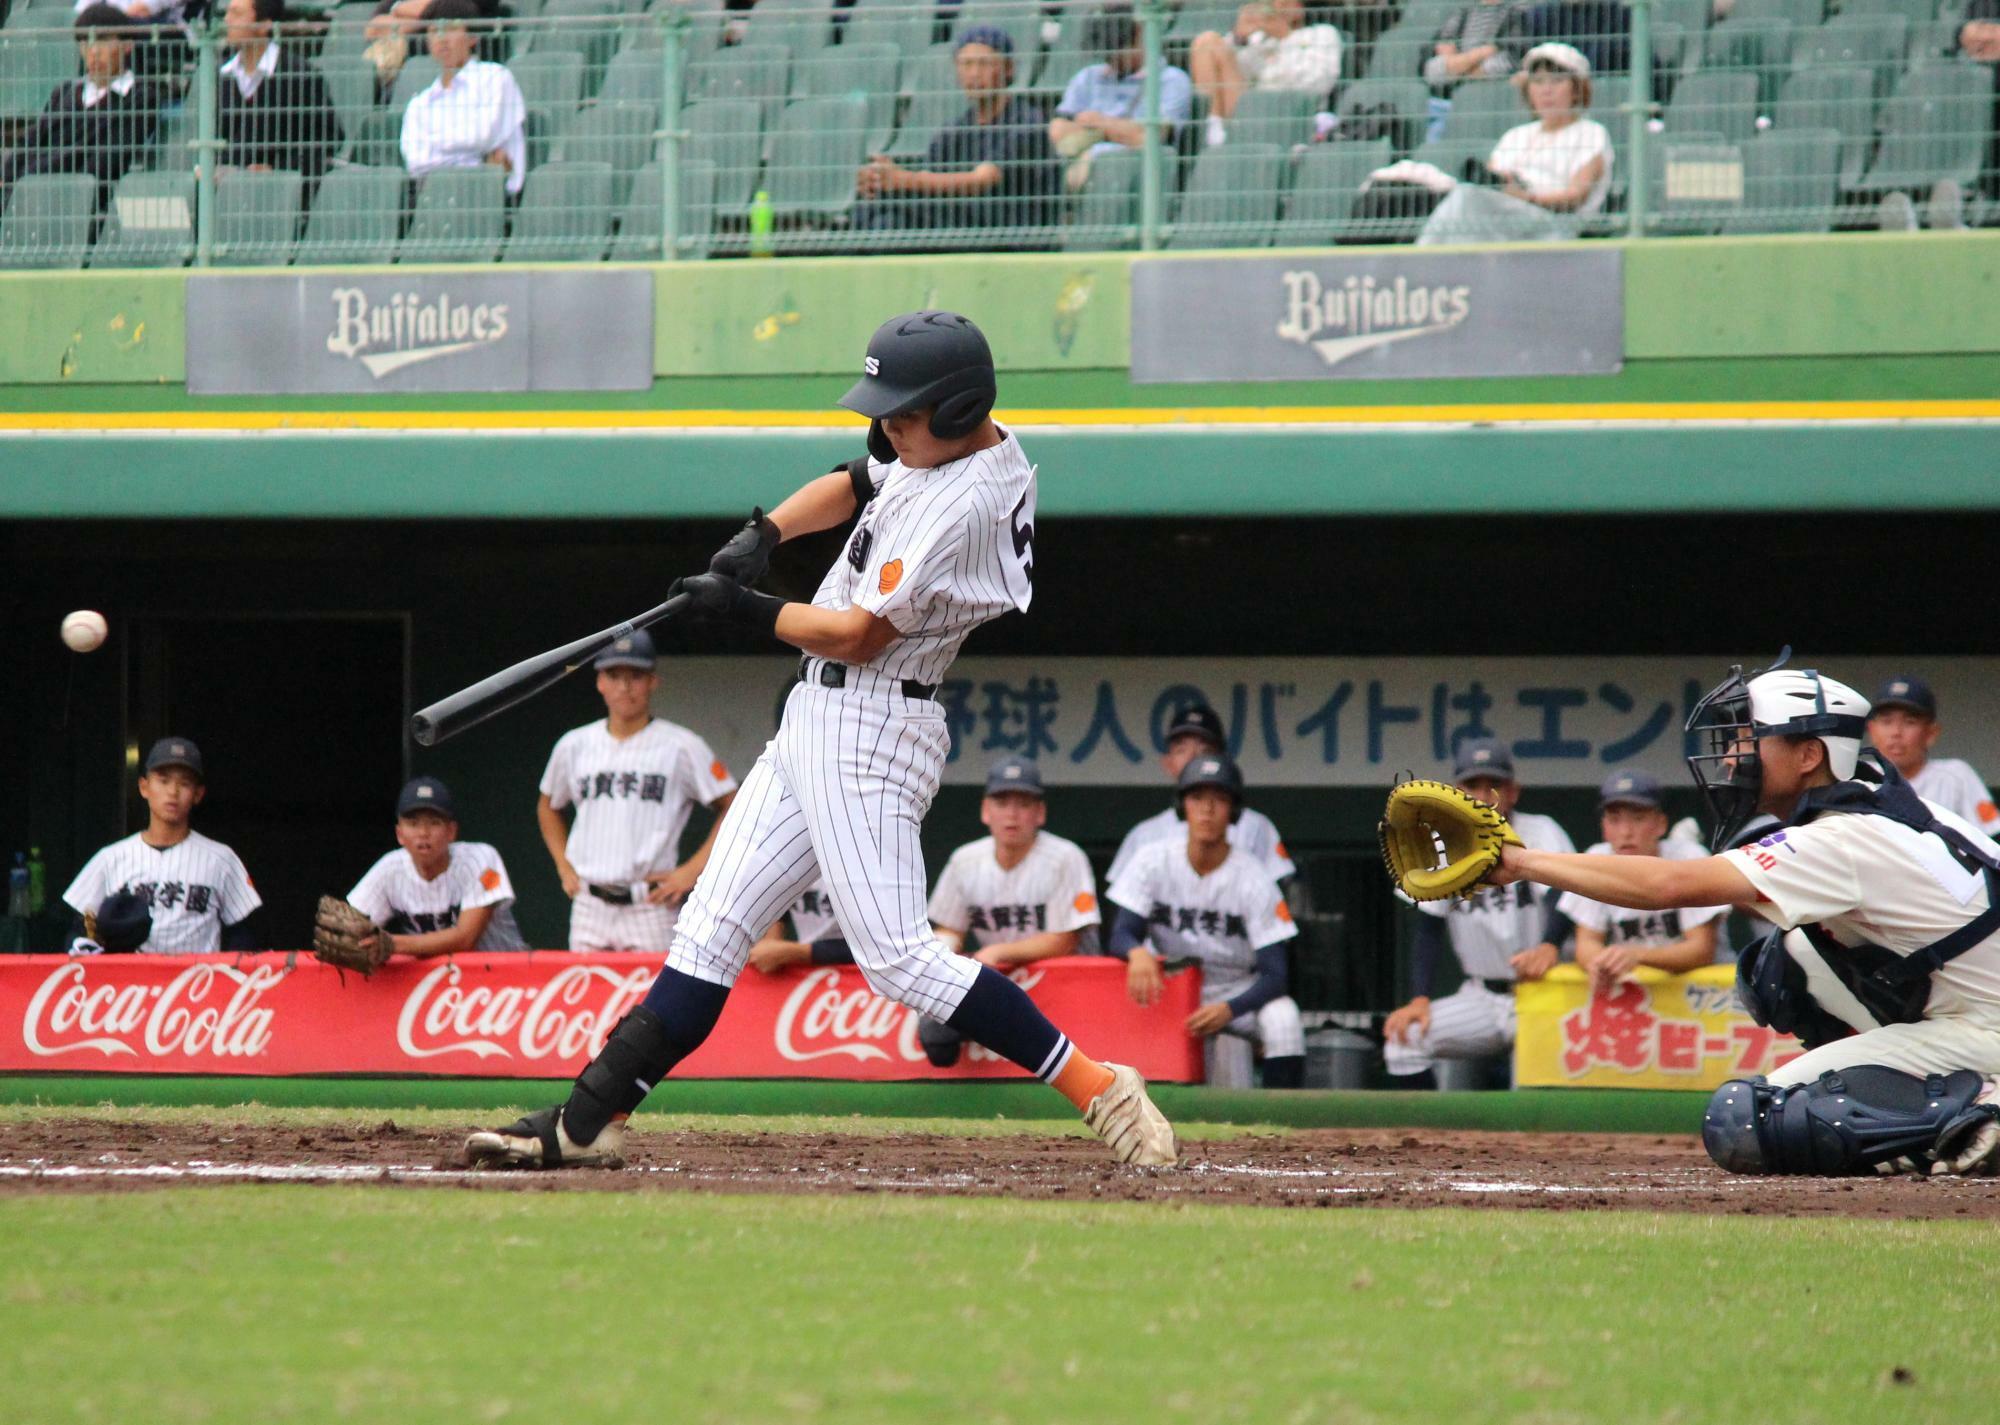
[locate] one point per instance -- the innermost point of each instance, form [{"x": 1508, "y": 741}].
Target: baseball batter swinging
[{"x": 944, "y": 542}]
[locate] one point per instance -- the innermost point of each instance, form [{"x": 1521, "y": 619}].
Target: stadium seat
[
  {"x": 1070, "y": 50},
  {"x": 707, "y": 20},
  {"x": 256, "y": 217},
  {"x": 1323, "y": 190},
  {"x": 760, "y": 72},
  {"x": 419, "y": 73},
  {"x": 814, "y": 157},
  {"x": 552, "y": 87},
  {"x": 589, "y": 28},
  {"x": 1450, "y": 155},
  {"x": 1400, "y": 52},
  {"x": 1696, "y": 182},
  {"x": 1835, "y": 98},
  {"x": 41, "y": 15},
  {"x": 1195, "y": 16},
  {"x": 618, "y": 134},
  {"x": 1106, "y": 215},
  {"x": 355, "y": 216},
  {"x": 1789, "y": 182},
  {"x": 1273, "y": 116},
  {"x": 1409, "y": 98},
  {"x": 905, "y": 28},
  {"x": 931, "y": 81},
  {"x": 639, "y": 222},
  {"x": 802, "y": 27},
  {"x": 350, "y": 85},
  {"x": 1934, "y": 126},
  {"x": 346, "y": 30},
  {"x": 634, "y": 76},
  {"x": 1232, "y": 197},
  {"x": 1759, "y": 47},
  {"x": 46, "y": 220},
  {"x": 1484, "y": 109},
  {"x": 865, "y": 72},
  {"x": 378, "y": 141},
  {"x": 172, "y": 146},
  {"x": 150, "y": 222},
  {"x": 1692, "y": 16},
  {"x": 1797, "y": 13},
  {"x": 31, "y": 66},
  {"x": 1878, "y": 42},
  {"x": 726, "y": 134},
  {"x": 565, "y": 214},
  {"x": 458, "y": 216},
  {"x": 1715, "y": 101}
]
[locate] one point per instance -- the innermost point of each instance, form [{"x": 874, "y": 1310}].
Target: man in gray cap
[
  {"x": 1903, "y": 726},
  {"x": 1612, "y": 940},
  {"x": 1499, "y": 935},
  {"x": 634, "y": 780}
]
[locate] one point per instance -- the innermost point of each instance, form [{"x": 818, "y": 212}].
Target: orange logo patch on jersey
[
  {"x": 1284, "y": 912},
  {"x": 1987, "y": 811},
  {"x": 1283, "y": 854},
  {"x": 1085, "y": 902},
  {"x": 892, "y": 575},
  {"x": 490, "y": 879},
  {"x": 718, "y": 771}
]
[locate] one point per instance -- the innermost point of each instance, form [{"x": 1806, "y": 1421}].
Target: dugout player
[
  {"x": 435, "y": 894},
  {"x": 634, "y": 780},
  {"x": 197, "y": 894},
  {"x": 1499, "y": 936},
  {"x": 1197, "y": 732},
  {"x": 1886, "y": 960},
  {"x": 1903, "y": 726},
  {"x": 1205, "y": 902},
  {"x": 1013, "y": 897},
  {"x": 1612, "y": 940},
  {"x": 813, "y": 936},
  {"x": 944, "y": 541}
]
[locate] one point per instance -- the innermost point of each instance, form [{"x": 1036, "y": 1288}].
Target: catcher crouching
[{"x": 1885, "y": 956}]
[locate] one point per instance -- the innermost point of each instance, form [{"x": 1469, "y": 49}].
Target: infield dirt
[{"x": 1335, "y": 1168}]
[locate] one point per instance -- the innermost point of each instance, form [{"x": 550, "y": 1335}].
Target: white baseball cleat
[
  {"x": 1126, "y": 1120},
  {"x": 539, "y": 1141}
]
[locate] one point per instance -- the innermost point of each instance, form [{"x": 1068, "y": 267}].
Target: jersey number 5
[{"x": 1024, "y": 539}]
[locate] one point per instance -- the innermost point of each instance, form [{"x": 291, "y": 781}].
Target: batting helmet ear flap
[
  {"x": 960, "y": 415},
  {"x": 878, "y": 443}
]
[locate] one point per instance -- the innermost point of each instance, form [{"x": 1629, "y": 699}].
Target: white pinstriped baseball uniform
[
  {"x": 1219, "y": 920},
  {"x": 1049, "y": 889},
  {"x": 396, "y": 897},
  {"x": 193, "y": 888},
  {"x": 633, "y": 796},
  {"x": 840, "y": 794},
  {"x": 1252, "y": 832},
  {"x": 1487, "y": 930},
  {"x": 1957, "y": 786}
]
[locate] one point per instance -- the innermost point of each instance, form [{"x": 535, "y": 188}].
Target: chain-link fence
[{"x": 585, "y": 130}]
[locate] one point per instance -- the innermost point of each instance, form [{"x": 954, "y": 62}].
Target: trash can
[{"x": 1339, "y": 1059}]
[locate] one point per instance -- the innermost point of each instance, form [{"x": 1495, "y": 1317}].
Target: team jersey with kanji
[
  {"x": 938, "y": 552},
  {"x": 193, "y": 888},
  {"x": 1956, "y": 787},
  {"x": 1496, "y": 923},
  {"x": 1869, "y": 880},
  {"x": 812, "y": 915},
  {"x": 1221, "y": 919},
  {"x": 633, "y": 796},
  {"x": 402, "y": 902},
  {"x": 1049, "y": 889},
  {"x": 1647, "y": 929},
  {"x": 1251, "y": 832}
]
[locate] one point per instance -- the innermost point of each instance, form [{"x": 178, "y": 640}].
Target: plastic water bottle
[
  {"x": 38, "y": 881},
  {"x": 19, "y": 887},
  {"x": 760, "y": 223}
]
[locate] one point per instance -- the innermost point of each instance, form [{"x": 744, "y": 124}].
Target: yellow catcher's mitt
[
  {"x": 347, "y": 939},
  {"x": 1437, "y": 841}
]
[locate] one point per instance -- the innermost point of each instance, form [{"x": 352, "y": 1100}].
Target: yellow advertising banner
[{"x": 1654, "y": 1031}]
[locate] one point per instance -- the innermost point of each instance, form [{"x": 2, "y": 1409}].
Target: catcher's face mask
[{"x": 1726, "y": 767}]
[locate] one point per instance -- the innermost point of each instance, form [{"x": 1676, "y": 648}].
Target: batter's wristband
[{"x": 758, "y": 611}]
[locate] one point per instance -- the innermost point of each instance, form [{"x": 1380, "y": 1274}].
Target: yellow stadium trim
[{"x": 1569, "y": 412}]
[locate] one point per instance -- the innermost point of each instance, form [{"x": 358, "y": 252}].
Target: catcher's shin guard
[
  {"x": 1850, "y": 1121},
  {"x": 634, "y": 1059}
]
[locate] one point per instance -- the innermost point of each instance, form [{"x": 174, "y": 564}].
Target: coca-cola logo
[
  {"x": 824, "y": 1016},
  {"x": 566, "y": 1018},
  {"x": 206, "y": 1009}
]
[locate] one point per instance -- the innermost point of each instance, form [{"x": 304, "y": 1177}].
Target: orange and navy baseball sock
[{"x": 997, "y": 1012}]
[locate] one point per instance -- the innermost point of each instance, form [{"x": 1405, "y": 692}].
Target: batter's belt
[{"x": 828, "y": 674}]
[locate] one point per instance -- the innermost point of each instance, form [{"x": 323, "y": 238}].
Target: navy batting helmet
[
  {"x": 1212, "y": 770},
  {"x": 935, "y": 359}
]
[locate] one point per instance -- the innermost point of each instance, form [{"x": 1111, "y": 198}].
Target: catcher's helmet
[
  {"x": 1212, "y": 770},
  {"x": 935, "y": 359}
]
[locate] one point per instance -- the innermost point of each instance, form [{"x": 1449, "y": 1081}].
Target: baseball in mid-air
[{"x": 84, "y": 630}]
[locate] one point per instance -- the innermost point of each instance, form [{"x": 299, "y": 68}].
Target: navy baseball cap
[
  {"x": 1903, "y": 691},
  {"x": 992, "y": 36},
  {"x": 426, "y": 794},
  {"x": 634, "y": 650},
  {"x": 1199, "y": 720},
  {"x": 175, "y": 752},
  {"x": 1483, "y": 757},
  {"x": 1014, "y": 774},
  {"x": 1629, "y": 788}
]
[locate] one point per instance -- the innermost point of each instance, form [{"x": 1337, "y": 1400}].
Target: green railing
[{"x": 592, "y": 129}]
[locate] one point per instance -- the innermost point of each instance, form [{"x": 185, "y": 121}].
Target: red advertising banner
[{"x": 521, "y": 1016}]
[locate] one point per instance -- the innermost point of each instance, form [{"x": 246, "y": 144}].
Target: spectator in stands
[
  {"x": 272, "y": 105},
  {"x": 1096, "y": 114},
  {"x": 158, "y": 32},
  {"x": 389, "y": 31},
  {"x": 97, "y": 124},
  {"x": 1272, "y": 47},
  {"x": 435, "y": 894},
  {"x": 1552, "y": 173},
  {"x": 1903, "y": 726},
  {"x": 990, "y": 167},
  {"x": 1610, "y": 940},
  {"x": 1480, "y": 41},
  {"x": 1979, "y": 41},
  {"x": 472, "y": 113}
]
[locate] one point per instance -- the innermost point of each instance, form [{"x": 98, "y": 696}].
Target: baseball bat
[{"x": 471, "y": 706}]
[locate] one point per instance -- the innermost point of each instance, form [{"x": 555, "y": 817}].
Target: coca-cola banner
[{"x": 520, "y": 1016}]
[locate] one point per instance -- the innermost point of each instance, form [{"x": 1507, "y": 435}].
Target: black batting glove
[
  {"x": 748, "y": 554},
  {"x": 727, "y": 599}
]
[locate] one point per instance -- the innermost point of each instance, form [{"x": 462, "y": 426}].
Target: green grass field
[{"x": 292, "y": 1304}]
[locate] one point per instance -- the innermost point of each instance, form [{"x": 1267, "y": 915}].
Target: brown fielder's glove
[
  {"x": 1437, "y": 841},
  {"x": 346, "y": 939}
]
